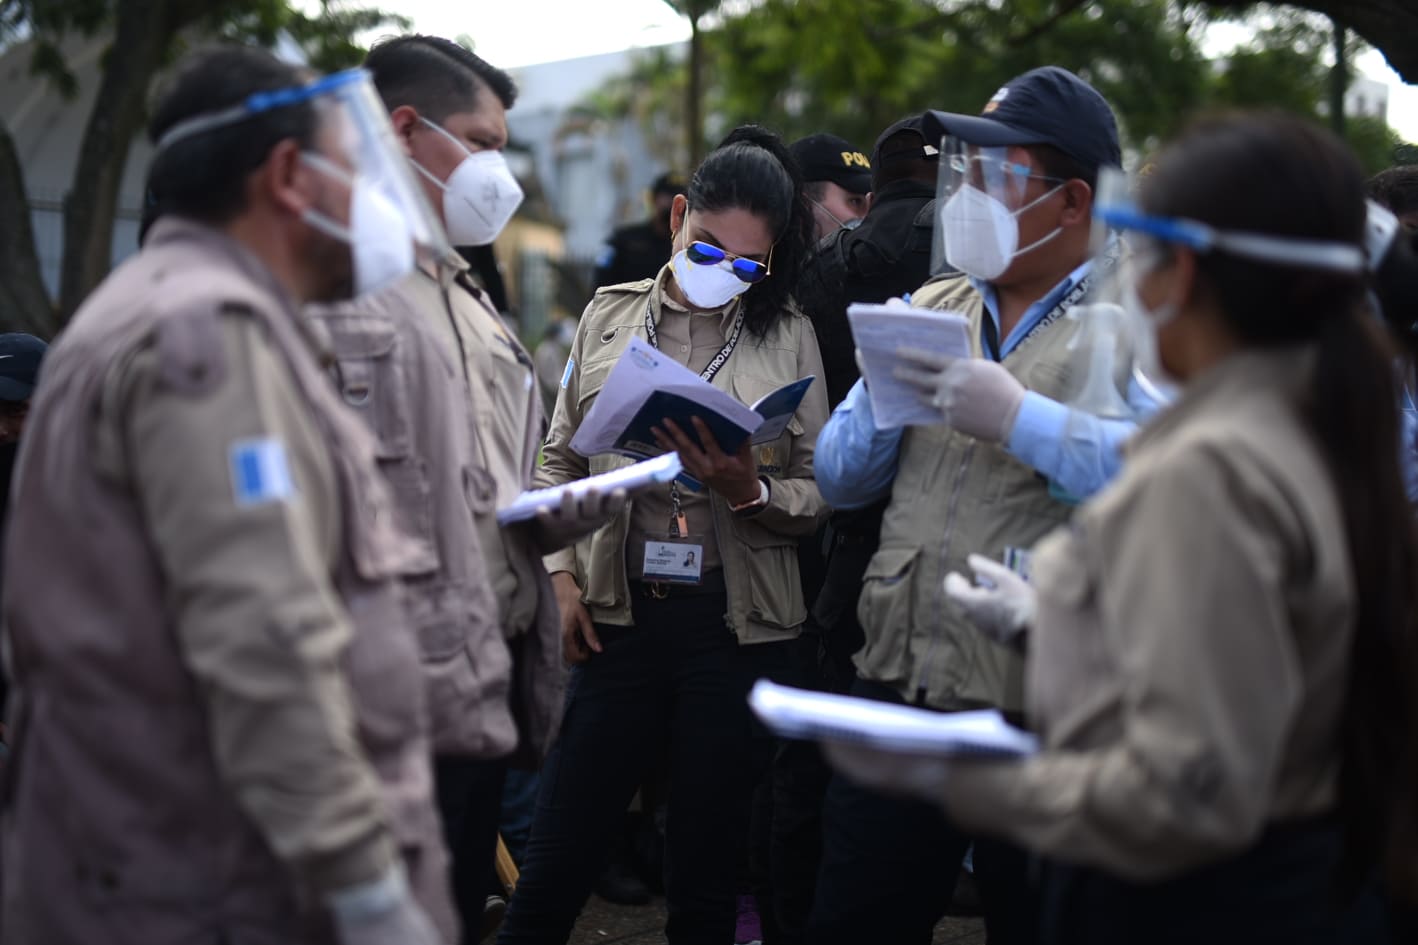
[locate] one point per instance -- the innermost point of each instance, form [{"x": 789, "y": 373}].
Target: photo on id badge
[{"x": 673, "y": 560}]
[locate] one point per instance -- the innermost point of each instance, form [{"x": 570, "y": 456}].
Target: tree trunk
[
  {"x": 693, "y": 119},
  {"x": 24, "y": 301},
  {"x": 1338, "y": 81},
  {"x": 142, "y": 33}
]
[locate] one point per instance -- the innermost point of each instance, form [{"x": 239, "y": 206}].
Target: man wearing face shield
[
  {"x": 1014, "y": 215},
  {"x": 219, "y": 724},
  {"x": 451, "y": 396}
]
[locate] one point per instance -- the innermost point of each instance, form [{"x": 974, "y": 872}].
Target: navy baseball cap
[
  {"x": 828, "y": 157},
  {"x": 20, "y": 355},
  {"x": 1049, "y": 106}
]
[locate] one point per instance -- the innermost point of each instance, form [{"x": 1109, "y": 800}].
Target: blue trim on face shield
[
  {"x": 259, "y": 102},
  {"x": 1186, "y": 232},
  {"x": 1281, "y": 250}
]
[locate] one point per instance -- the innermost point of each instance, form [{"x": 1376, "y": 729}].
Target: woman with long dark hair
[
  {"x": 1221, "y": 648},
  {"x": 670, "y": 610}
]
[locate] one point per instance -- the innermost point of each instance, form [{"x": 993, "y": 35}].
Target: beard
[{"x": 332, "y": 262}]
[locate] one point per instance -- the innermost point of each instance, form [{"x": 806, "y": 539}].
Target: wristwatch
[{"x": 753, "y": 505}]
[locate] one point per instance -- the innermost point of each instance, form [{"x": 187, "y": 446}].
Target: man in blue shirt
[{"x": 1012, "y": 454}]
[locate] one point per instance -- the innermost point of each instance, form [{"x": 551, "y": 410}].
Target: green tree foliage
[
  {"x": 144, "y": 36},
  {"x": 855, "y": 66}
]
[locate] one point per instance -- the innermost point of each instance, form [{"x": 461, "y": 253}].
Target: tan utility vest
[
  {"x": 954, "y": 495},
  {"x": 116, "y": 824},
  {"x": 395, "y": 372},
  {"x": 760, "y": 563}
]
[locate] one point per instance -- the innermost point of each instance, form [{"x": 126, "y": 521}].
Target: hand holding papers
[
  {"x": 629, "y": 479},
  {"x": 893, "y": 749},
  {"x": 799, "y": 713},
  {"x": 880, "y": 333},
  {"x": 645, "y": 387}
]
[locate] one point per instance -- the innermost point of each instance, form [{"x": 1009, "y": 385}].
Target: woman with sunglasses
[
  {"x": 661, "y": 668},
  {"x": 1222, "y": 659}
]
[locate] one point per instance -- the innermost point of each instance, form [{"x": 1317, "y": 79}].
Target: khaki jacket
[
  {"x": 217, "y": 715},
  {"x": 392, "y": 368},
  {"x": 954, "y": 495},
  {"x": 759, "y": 550},
  {"x": 526, "y": 605},
  {"x": 1189, "y": 662}
]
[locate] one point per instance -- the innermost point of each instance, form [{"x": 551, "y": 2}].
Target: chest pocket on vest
[
  {"x": 371, "y": 380},
  {"x": 593, "y": 374},
  {"x": 771, "y": 458}
]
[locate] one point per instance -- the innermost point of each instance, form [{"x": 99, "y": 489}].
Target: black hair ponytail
[{"x": 752, "y": 170}]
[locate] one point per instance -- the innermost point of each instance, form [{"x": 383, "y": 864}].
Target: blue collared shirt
[{"x": 855, "y": 463}]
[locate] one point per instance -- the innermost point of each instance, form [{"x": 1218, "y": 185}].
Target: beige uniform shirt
[
  {"x": 692, "y": 339},
  {"x": 1188, "y": 665}
]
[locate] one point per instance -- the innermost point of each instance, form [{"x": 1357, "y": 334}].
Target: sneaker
[
  {"x": 494, "y": 910},
  {"x": 748, "y": 930}
]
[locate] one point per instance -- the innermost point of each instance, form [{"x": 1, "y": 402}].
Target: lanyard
[
  {"x": 720, "y": 359},
  {"x": 679, "y": 525},
  {"x": 990, "y": 332}
]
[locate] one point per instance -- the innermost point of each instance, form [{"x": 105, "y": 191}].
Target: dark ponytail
[
  {"x": 1279, "y": 175},
  {"x": 752, "y": 170}
]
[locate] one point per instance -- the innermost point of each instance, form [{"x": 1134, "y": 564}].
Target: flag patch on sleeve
[{"x": 260, "y": 472}]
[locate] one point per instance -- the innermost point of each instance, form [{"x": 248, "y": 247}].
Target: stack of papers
[
  {"x": 800, "y": 713},
  {"x": 630, "y": 478},
  {"x": 880, "y": 331},
  {"x": 646, "y": 386}
]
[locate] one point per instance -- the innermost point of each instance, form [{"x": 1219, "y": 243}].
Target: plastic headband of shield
[
  {"x": 257, "y": 103},
  {"x": 1122, "y": 214}
]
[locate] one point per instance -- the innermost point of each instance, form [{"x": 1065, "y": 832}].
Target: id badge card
[
  {"x": 1019, "y": 560},
  {"x": 673, "y": 560}
]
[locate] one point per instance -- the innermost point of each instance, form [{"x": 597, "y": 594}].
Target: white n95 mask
[
  {"x": 982, "y": 234},
  {"x": 706, "y": 286},
  {"x": 480, "y": 195},
  {"x": 379, "y": 236}
]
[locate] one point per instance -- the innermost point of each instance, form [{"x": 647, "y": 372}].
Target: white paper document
[
  {"x": 882, "y": 330},
  {"x": 800, "y": 713},
  {"x": 661, "y": 469}
]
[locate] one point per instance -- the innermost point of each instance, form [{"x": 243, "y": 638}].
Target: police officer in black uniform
[{"x": 640, "y": 250}]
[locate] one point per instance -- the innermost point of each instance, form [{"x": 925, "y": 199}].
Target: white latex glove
[
  {"x": 1000, "y": 602},
  {"x": 976, "y": 396},
  {"x": 576, "y": 517},
  {"x": 381, "y": 912},
  {"x": 890, "y": 772}
]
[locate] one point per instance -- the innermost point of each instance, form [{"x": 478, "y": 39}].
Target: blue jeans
[{"x": 674, "y": 685}]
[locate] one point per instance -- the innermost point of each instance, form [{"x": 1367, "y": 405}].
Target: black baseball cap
[
  {"x": 1049, "y": 106},
  {"x": 913, "y": 142},
  {"x": 20, "y": 355},
  {"x": 828, "y": 157}
]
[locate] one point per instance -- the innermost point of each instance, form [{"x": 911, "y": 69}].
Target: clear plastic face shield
[
  {"x": 1129, "y": 245},
  {"x": 373, "y": 202},
  {"x": 982, "y": 194}
]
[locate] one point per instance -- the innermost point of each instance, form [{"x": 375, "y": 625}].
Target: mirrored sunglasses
[{"x": 707, "y": 254}]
